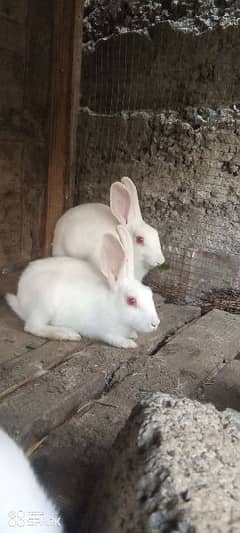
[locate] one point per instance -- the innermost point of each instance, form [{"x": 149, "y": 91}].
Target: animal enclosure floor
[{"x": 65, "y": 402}]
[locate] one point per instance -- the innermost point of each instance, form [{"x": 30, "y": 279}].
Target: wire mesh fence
[{"x": 161, "y": 104}]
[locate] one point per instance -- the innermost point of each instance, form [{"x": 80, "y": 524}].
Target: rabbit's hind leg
[{"x": 36, "y": 325}]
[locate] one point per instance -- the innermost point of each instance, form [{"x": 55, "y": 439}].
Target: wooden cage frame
[
  {"x": 63, "y": 112},
  {"x": 63, "y": 116}
]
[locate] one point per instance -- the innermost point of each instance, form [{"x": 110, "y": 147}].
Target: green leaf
[{"x": 165, "y": 266}]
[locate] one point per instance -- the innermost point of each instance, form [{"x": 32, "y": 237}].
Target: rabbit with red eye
[
  {"x": 65, "y": 297},
  {"x": 24, "y": 505},
  {"x": 79, "y": 231}
]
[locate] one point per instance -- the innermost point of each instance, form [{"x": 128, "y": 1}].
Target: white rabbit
[
  {"x": 24, "y": 505},
  {"x": 63, "y": 297},
  {"x": 79, "y": 232}
]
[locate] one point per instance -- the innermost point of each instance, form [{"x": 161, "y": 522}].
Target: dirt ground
[{"x": 66, "y": 402}]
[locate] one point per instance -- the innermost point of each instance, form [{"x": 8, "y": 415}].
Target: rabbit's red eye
[
  {"x": 139, "y": 239},
  {"x": 131, "y": 301}
]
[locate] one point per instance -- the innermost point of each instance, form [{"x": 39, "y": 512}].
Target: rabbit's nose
[{"x": 155, "y": 324}]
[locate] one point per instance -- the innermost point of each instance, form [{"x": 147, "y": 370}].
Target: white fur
[
  {"x": 63, "y": 297},
  {"x": 22, "y": 499},
  {"x": 79, "y": 231}
]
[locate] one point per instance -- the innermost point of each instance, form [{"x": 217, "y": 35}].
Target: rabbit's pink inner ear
[
  {"x": 135, "y": 211},
  {"x": 127, "y": 244},
  {"x": 112, "y": 259},
  {"x": 120, "y": 202}
]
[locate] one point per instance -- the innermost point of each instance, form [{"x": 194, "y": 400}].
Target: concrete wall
[
  {"x": 174, "y": 467},
  {"x": 160, "y": 102}
]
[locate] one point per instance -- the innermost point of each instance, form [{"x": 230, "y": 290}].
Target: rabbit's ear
[
  {"x": 135, "y": 210},
  {"x": 127, "y": 244},
  {"x": 120, "y": 202},
  {"x": 112, "y": 259}
]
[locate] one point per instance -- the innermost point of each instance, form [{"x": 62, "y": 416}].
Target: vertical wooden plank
[
  {"x": 64, "y": 105},
  {"x": 39, "y": 34},
  {"x": 74, "y": 104}
]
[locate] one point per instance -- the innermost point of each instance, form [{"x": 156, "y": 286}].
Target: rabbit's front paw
[
  {"x": 131, "y": 344},
  {"x": 119, "y": 342},
  {"x": 133, "y": 335},
  {"x": 74, "y": 337},
  {"x": 127, "y": 343}
]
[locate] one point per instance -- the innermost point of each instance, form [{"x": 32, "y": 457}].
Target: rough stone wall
[
  {"x": 105, "y": 17},
  {"x": 160, "y": 102}
]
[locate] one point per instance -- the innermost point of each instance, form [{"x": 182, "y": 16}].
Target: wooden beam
[{"x": 64, "y": 106}]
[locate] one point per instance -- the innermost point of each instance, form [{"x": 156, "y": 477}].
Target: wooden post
[{"x": 64, "y": 107}]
